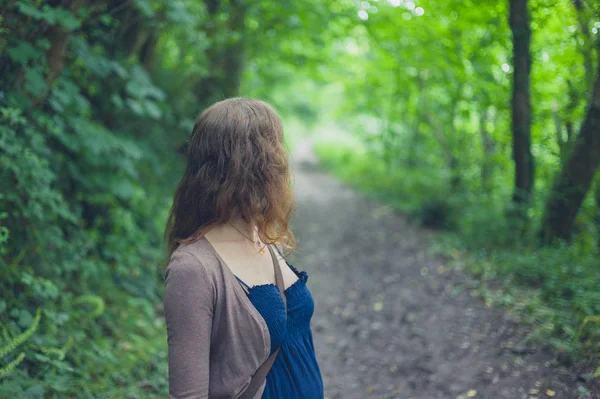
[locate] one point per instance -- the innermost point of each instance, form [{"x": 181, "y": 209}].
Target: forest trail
[{"x": 390, "y": 321}]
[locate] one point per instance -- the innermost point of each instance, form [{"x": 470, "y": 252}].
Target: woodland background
[{"x": 478, "y": 118}]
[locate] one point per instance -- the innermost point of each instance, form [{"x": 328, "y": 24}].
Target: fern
[
  {"x": 19, "y": 339},
  {"x": 59, "y": 352},
  {"x": 11, "y": 366},
  {"x": 13, "y": 343},
  {"x": 6, "y": 336},
  {"x": 93, "y": 300}
]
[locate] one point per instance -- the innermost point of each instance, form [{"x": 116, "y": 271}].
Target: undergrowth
[{"x": 555, "y": 290}]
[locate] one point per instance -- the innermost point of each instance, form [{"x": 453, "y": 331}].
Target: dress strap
[
  {"x": 292, "y": 268},
  {"x": 244, "y": 285}
]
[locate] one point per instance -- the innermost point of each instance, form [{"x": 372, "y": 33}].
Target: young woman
[{"x": 235, "y": 309}]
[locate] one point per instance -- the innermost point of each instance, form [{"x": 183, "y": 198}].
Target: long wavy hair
[{"x": 237, "y": 164}]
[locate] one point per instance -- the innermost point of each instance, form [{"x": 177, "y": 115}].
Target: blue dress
[{"x": 295, "y": 373}]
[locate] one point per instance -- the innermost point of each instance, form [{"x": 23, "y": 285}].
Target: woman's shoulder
[{"x": 194, "y": 258}]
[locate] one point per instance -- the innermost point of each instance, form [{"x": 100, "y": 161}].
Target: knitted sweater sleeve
[{"x": 189, "y": 308}]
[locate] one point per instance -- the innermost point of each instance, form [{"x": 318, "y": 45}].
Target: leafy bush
[{"x": 82, "y": 172}]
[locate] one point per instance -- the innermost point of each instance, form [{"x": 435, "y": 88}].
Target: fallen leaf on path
[
  {"x": 550, "y": 392},
  {"x": 471, "y": 393}
]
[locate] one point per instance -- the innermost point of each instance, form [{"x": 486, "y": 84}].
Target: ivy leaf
[
  {"x": 135, "y": 89},
  {"x": 52, "y": 15},
  {"x": 23, "y": 52},
  {"x": 43, "y": 44},
  {"x": 30, "y": 10},
  {"x": 123, "y": 188},
  {"x": 152, "y": 110},
  {"x": 105, "y": 19},
  {"x": 25, "y": 319},
  {"x": 66, "y": 19},
  {"x": 145, "y": 7},
  {"x": 135, "y": 107},
  {"x": 35, "y": 83},
  {"x": 155, "y": 92},
  {"x": 119, "y": 70},
  {"x": 117, "y": 101}
]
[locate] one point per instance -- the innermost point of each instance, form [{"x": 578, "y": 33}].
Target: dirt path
[{"x": 390, "y": 322}]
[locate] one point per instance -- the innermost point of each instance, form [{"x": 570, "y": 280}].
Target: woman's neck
[{"x": 237, "y": 225}]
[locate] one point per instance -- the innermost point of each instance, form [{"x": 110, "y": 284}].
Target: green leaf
[
  {"x": 134, "y": 89},
  {"x": 41, "y": 358},
  {"x": 67, "y": 19},
  {"x": 105, "y": 19},
  {"x": 29, "y": 10},
  {"x": 25, "y": 319},
  {"x": 152, "y": 109},
  {"x": 35, "y": 83},
  {"x": 145, "y": 7},
  {"x": 123, "y": 189},
  {"x": 60, "y": 383},
  {"x": 117, "y": 101},
  {"x": 35, "y": 391},
  {"x": 135, "y": 107},
  {"x": 23, "y": 52},
  {"x": 52, "y": 15},
  {"x": 119, "y": 70},
  {"x": 155, "y": 92}
]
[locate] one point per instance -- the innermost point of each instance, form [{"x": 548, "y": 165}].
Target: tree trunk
[
  {"x": 587, "y": 45},
  {"x": 586, "y": 48},
  {"x": 560, "y": 139},
  {"x": 438, "y": 129},
  {"x": 576, "y": 176},
  {"x": 521, "y": 102},
  {"x": 488, "y": 146},
  {"x": 420, "y": 114},
  {"x": 457, "y": 143},
  {"x": 597, "y": 201}
]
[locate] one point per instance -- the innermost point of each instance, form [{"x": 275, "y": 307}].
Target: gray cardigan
[{"x": 216, "y": 337}]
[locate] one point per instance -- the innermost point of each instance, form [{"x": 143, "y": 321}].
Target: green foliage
[
  {"x": 48, "y": 14},
  {"x": 428, "y": 133},
  {"x": 426, "y": 113},
  {"x": 24, "y": 320},
  {"x": 11, "y": 344},
  {"x": 82, "y": 158}
]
